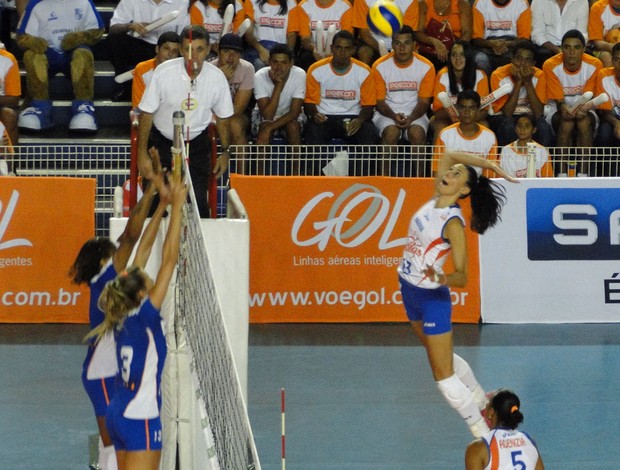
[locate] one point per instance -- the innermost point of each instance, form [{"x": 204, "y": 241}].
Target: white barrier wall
[
  {"x": 228, "y": 246},
  {"x": 555, "y": 258}
]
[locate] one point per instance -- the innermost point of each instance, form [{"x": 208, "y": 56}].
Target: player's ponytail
[
  {"x": 487, "y": 198},
  {"x": 117, "y": 299},
  {"x": 507, "y": 407}
]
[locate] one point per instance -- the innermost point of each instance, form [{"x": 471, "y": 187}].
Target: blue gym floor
[{"x": 358, "y": 396}]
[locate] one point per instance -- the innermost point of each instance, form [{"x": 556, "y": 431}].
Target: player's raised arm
[{"x": 449, "y": 159}]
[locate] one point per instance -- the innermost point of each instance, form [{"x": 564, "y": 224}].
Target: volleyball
[{"x": 385, "y": 18}]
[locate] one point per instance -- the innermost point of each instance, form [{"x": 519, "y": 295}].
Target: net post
[{"x": 212, "y": 190}]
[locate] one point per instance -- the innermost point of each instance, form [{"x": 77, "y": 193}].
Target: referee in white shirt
[{"x": 201, "y": 91}]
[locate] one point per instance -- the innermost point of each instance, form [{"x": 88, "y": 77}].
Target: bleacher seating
[{"x": 112, "y": 117}]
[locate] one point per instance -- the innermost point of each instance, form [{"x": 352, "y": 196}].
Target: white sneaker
[{"x": 83, "y": 119}]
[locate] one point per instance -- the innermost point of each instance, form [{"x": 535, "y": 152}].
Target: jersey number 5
[{"x": 516, "y": 460}]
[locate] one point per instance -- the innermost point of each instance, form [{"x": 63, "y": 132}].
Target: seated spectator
[
  {"x": 497, "y": 25},
  {"x": 280, "y": 90},
  {"x": 168, "y": 47},
  {"x": 304, "y": 18},
  {"x": 59, "y": 47},
  {"x": 528, "y": 95},
  {"x": 514, "y": 156},
  {"x": 270, "y": 26},
  {"x": 404, "y": 84},
  {"x": 130, "y": 43},
  {"x": 608, "y": 80},
  {"x": 460, "y": 74},
  {"x": 551, "y": 19},
  {"x": 440, "y": 24},
  {"x": 340, "y": 97},
  {"x": 10, "y": 93},
  {"x": 604, "y": 28},
  {"x": 467, "y": 135},
  {"x": 368, "y": 49},
  {"x": 240, "y": 76},
  {"x": 569, "y": 75},
  {"x": 210, "y": 14}
]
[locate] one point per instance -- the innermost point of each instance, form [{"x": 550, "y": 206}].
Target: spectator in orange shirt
[
  {"x": 607, "y": 81},
  {"x": 604, "y": 28},
  {"x": 497, "y": 25},
  {"x": 514, "y": 156},
  {"x": 304, "y": 18},
  {"x": 460, "y": 74},
  {"x": 435, "y": 15},
  {"x": 168, "y": 47},
  {"x": 10, "y": 93},
  {"x": 529, "y": 95},
  {"x": 369, "y": 50},
  {"x": 340, "y": 97},
  {"x": 569, "y": 75}
]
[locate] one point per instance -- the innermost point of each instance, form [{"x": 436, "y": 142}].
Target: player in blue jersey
[
  {"x": 132, "y": 303},
  {"x": 99, "y": 261},
  {"x": 436, "y": 231},
  {"x": 504, "y": 447}
]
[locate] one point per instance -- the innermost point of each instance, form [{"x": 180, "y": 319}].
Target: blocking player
[{"x": 99, "y": 261}]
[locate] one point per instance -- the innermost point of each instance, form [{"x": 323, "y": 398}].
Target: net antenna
[{"x": 209, "y": 396}]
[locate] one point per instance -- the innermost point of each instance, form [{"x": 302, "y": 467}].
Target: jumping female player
[
  {"x": 436, "y": 230},
  {"x": 503, "y": 448},
  {"x": 132, "y": 304},
  {"x": 98, "y": 261}
]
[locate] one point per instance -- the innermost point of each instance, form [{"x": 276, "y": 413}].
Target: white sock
[
  {"x": 107, "y": 458},
  {"x": 461, "y": 399},
  {"x": 466, "y": 375}
]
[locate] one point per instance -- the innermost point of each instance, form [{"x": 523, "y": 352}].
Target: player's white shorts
[{"x": 381, "y": 122}]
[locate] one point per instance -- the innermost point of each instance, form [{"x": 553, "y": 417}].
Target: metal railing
[{"x": 110, "y": 164}]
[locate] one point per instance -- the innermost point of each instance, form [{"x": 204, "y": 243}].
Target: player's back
[{"x": 510, "y": 449}]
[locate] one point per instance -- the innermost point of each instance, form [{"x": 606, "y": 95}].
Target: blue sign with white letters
[{"x": 573, "y": 224}]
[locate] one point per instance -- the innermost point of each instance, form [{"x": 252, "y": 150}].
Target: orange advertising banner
[
  {"x": 43, "y": 224},
  {"x": 326, "y": 249}
]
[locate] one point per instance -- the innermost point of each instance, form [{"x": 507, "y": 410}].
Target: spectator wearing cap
[{"x": 240, "y": 76}]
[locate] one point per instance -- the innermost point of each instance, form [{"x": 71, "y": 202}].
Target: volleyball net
[{"x": 206, "y": 424}]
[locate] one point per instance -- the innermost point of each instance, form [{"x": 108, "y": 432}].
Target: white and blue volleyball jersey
[{"x": 141, "y": 352}]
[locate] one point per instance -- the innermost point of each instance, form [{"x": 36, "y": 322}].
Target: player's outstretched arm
[
  {"x": 448, "y": 159},
  {"x": 147, "y": 240},
  {"x": 170, "y": 251}
]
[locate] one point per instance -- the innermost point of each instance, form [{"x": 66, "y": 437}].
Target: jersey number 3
[{"x": 126, "y": 358}]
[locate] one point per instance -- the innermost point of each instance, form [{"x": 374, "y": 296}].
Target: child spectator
[{"x": 514, "y": 156}]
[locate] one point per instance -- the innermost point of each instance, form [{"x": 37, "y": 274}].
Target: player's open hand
[{"x": 501, "y": 172}]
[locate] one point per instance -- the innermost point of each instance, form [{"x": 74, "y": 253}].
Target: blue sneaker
[
  {"x": 83, "y": 119},
  {"x": 36, "y": 117}
]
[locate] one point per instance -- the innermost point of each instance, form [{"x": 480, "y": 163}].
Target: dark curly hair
[{"x": 87, "y": 264}]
